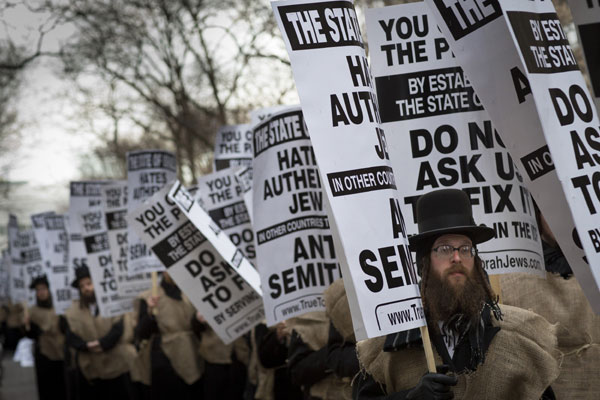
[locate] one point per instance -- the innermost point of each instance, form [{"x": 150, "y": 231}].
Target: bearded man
[
  {"x": 488, "y": 351},
  {"x": 99, "y": 347}
]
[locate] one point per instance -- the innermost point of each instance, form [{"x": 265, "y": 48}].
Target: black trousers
[{"x": 50, "y": 377}]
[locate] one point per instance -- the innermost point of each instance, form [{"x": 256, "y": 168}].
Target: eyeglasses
[{"x": 464, "y": 251}]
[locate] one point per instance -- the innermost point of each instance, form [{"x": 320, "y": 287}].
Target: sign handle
[
  {"x": 428, "y": 349},
  {"x": 496, "y": 286},
  {"x": 154, "y": 275}
]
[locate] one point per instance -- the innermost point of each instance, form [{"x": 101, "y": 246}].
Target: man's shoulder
[{"x": 529, "y": 325}]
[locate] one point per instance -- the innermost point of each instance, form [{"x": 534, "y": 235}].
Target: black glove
[{"x": 434, "y": 386}]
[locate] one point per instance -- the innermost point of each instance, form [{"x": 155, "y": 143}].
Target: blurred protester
[
  {"x": 272, "y": 348},
  {"x": 42, "y": 325},
  {"x": 100, "y": 354},
  {"x": 225, "y": 374},
  {"x": 308, "y": 358},
  {"x": 167, "y": 333}
]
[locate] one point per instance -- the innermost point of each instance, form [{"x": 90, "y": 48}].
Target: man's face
[
  {"x": 452, "y": 269},
  {"x": 86, "y": 288},
  {"x": 41, "y": 291}
]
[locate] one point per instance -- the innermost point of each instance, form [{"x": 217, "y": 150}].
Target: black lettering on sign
[
  {"x": 55, "y": 222},
  {"x": 151, "y": 160},
  {"x": 589, "y": 34},
  {"x": 388, "y": 267},
  {"x": 465, "y": 16},
  {"x": 321, "y": 25},
  {"x": 589, "y": 186},
  {"x": 425, "y": 94},
  {"x": 567, "y": 106},
  {"x": 595, "y": 238},
  {"x": 231, "y": 215},
  {"x": 291, "y": 226},
  {"x": 96, "y": 243},
  {"x": 284, "y": 128},
  {"x": 311, "y": 274},
  {"x": 543, "y": 43},
  {"x": 538, "y": 163},
  {"x": 521, "y": 84},
  {"x": 116, "y": 220},
  {"x": 221, "y": 164},
  {"x": 85, "y": 189},
  {"x": 361, "y": 180},
  {"x": 178, "y": 244}
]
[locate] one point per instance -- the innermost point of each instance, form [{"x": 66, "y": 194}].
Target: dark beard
[
  {"x": 445, "y": 301},
  {"x": 44, "y": 303},
  {"x": 87, "y": 300}
]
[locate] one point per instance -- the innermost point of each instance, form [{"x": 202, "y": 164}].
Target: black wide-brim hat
[
  {"x": 446, "y": 211},
  {"x": 39, "y": 280},
  {"x": 80, "y": 273}
]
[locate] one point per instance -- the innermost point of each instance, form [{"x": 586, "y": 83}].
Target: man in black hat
[
  {"x": 42, "y": 325},
  {"x": 512, "y": 351},
  {"x": 97, "y": 347}
]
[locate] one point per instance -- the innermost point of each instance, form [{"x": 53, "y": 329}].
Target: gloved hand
[{"x": 434, "y": 386}]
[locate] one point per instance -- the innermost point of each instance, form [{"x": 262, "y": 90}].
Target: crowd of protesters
[{"x": 520, "y": 348}]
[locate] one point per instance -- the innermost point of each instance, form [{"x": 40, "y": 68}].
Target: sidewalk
[{"x": 17, "y": 382}]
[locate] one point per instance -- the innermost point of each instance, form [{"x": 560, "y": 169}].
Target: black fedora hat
[
  {"x": 447, "y": 211},
  {"x": 39, "y": 280},
  {"x": 80, "y": 273}
]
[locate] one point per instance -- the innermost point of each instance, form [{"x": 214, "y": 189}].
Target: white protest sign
[
  {"x": 233, "y": 146},
  {"x": 214, "y": 234},
  {"x": 84, "y": 194},
  {"x": 586, "y": 17},
  {"x": 231, "y": 307},
  {"x": 31, "y": 259},
  {"x": 439, "y": 136},
  {"x": 147, "y": 172},
  {"x": 39, "y": 229},
  {"x": 295, "y": 251},
  {"x": 18, "y": 291},
  {"x": 115, "y": 211},
  {"x": 340, "y": 108},
  {"x": 59, "y": 278},
  {"x": 221, "y": 195},
  {"x": 244, "y": 176},
  {"x": 95, "y": 239},
  {"x": 521, "y": 65}
]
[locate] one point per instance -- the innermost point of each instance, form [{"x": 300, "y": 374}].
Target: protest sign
[
  {"x": 295, "y": 252},
  {"x": 221, "y": 195},
  {"x": 83, "y": 195},
  {"x": 95, "y": 238},
  {"x": 18, "y": 291},
  {"x": 521, "y": 65},
  {"x": 244, "y": 177},
  {"x": 39, "y": 229},
  {"x": 439, "y": 136},
  {"x": 231, "y": 307},
  {"x": 147, "y": 172},
  {"x": 31, "y": 260},
  {"x": 233, "y": 147},
  {"x": 59, "y": 278},
  {"x": 340, "y": 107},
  {"x": 214, "y": 234},
  {"x": 115, "y": 212},
  {"x": 586, "y": 17}
]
